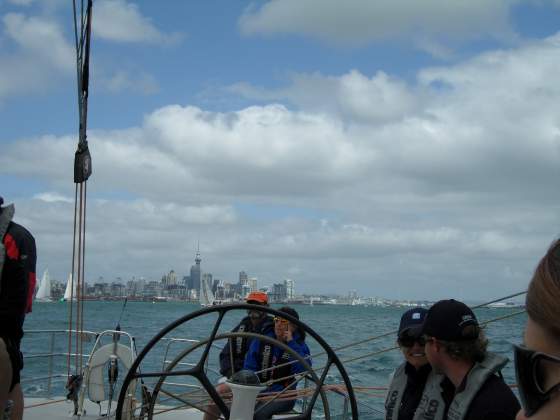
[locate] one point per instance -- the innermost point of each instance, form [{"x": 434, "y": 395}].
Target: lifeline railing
[{"x": 52, "y": 354}]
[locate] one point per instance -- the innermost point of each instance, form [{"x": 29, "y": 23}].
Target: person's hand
[{"x": 289, "y": 333}]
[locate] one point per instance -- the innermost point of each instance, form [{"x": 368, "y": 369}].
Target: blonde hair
[{"x": 543, "y": 295}]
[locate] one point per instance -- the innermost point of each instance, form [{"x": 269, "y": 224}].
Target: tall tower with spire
[{"x": 196, "y": 273}]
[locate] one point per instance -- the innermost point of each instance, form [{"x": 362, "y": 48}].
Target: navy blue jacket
[
  {"x": 240, "y": 345},
  {"x": 255, "y": 360}
]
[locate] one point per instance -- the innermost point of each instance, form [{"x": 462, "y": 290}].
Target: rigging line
[
  {"x": 499, "y": 299},
  {"x": 70, "y": 305},
  {"x": 83, "y": 282},
  {"x": 79, "y": 294}
]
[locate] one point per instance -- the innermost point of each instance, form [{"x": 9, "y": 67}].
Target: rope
[
  {"x": 43, "y": 403},
  {"x": 71, "y": 305}
]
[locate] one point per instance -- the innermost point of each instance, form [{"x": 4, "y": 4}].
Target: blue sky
[{"x": 391, "y": 147}]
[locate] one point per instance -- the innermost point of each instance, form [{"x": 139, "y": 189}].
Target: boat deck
[{"x": 61, "y": 409}]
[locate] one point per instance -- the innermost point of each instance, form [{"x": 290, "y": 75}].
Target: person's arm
[
  {"x": 29, "y": 260},
  {"x": 301, "y": 349}
]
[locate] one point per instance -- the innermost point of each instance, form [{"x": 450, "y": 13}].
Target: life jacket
[
  {"x": 396, "y": 391},
  {"x": 241, "y": 344},
  {"x": 272, "y": 357},
  {"x": 6, "y": 217},
  {"x": 477, "y": 376}
]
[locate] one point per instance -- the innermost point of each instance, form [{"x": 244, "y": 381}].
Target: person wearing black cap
[
  {"x": 272, "y": 363},
  {"x": 17, "y": 285},
  {"x": 409, "y": 379},
  {"x": 473, "y": 388}
]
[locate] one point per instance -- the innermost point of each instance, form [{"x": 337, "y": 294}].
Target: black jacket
[
  {"x": 493, "y": 401},
  {"x": 17, "y": 284},
  {"x": 240, "y": 345},
  {"x": 416, "y": 379}
]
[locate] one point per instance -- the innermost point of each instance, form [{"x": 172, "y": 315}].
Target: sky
[{"x": 402, "y": 149}]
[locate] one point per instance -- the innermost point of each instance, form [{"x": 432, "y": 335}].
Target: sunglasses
[
  {"x": 407, "y": 340},
  {"x": 281, "y": 320},
  {"x": 530, "y": 371}
]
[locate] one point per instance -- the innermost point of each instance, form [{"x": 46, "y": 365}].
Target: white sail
[
  {"x": 44, "y": 292},
  {"x": 206, "y": 297},
  {"x": 68, "y": 291}
]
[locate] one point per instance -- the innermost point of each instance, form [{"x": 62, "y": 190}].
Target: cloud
[
  {"x": 362, "y": 21},
  {"x": 42, "y": 54},
  {"x": 123, "y": 80},
  {"x": 118, "y": 20},
  {"x": 353, "y": 96},
  {"x": 21, "y": 2},
  {"x": 53, "y": 197},
  {"x": 407, "y": 188}
]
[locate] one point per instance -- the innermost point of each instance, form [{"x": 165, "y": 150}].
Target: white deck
[{"x": 47, "y": 409}]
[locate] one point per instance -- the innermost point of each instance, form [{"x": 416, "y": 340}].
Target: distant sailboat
[
  {"x": 206, "y": 297},
  {"x": 44, "y": 292},
  {"x": 68, "y": 291}
]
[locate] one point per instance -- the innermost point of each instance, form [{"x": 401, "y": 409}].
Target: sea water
[{"x": 338, "y": 325}]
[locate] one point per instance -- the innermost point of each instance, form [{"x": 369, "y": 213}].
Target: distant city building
[
  {"x": 245, "y": 290},
  {"x": 243, "y": 278},
  {"x": 194, "y": 280},
  {"x": 252, "y": 283},
  {"x": 279, "y": 293},
  {"x": 215, "y": 284},
  {"x": 290, "y": 289},
  {"x": 170, "y": 279},
  {"x": 186, "y": 280}
]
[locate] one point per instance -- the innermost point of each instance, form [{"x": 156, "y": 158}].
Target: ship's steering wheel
[{"x": 198, "y": 369}]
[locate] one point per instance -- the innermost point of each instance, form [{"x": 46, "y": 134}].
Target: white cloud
[
  {"x": 52, "y": 197},
  {"x": 118, "y": 20},
  {"x": 21, "y": 2},
  {"x": 42, "y": 54},
  {"x": 407, "y": 189},
  {"x": 122, "y": 80},
  {"x": 361, "y": 21},
  {"x": 353, "y": 96}
]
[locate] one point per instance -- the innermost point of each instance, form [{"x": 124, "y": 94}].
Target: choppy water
[{"x": 338, "y": 325}]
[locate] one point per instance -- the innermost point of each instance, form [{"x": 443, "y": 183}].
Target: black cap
[
  {"x": 412, "y": 321},
  {"x": 289, "y": 311},
  {"x": 448, "y": 320}
]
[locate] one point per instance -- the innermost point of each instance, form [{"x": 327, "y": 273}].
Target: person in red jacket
[{"x": 18, "y": 258}]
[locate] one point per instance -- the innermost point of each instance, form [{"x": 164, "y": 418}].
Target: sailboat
[
  {"x": 68, "y": 292},
  {"x": 44, "y": 292},
  {"x": 206, "y": 296}
]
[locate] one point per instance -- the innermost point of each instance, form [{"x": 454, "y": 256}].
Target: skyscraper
[
  {"x": 243, "y": 278},
  {"x": 194, "y": 279},
  {"x": 290, "y": 289}
]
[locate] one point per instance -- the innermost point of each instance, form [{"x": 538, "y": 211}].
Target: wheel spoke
[
  {"x": 188, "y": 372},
  {"x": 218, "y": 400},
  {"x": 319, "y": 386},
  {"x": 211, "y": 338}
]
